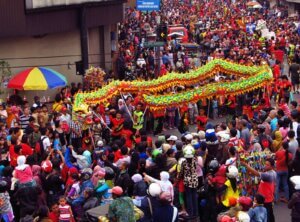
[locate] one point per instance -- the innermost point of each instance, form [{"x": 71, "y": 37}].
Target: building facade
[{"x": 59, "y": 34}]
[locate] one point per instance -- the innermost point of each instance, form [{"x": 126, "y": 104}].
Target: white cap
[
  {"x": 100, "y": 143},
  {"x": 172, "y": 138},
  {"x": 189, "y": 136}
]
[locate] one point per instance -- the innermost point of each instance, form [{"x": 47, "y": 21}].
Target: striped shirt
[
  {"x": 75, "y": 126},
  {"x": 64, "y": 213},
  {"x": 24, "y": 121}
]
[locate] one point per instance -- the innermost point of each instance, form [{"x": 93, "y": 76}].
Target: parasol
[{"x": 37, "y": 78}]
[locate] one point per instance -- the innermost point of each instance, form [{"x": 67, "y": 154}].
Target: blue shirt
[
  {"x": 273, "y": 124},
  {"x": 258, "y": 214}
]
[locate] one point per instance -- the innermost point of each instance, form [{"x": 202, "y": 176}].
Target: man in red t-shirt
[
  {"x": 17, "y": 149},
  {"x": 279, "y": 54},
  {"x": 201, "y": 120},
  {"x": 117, "y": 125},
  {"x": 267, "y": 185}
]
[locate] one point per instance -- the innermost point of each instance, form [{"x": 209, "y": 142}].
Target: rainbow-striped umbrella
[{"x": 37, "y": 78}]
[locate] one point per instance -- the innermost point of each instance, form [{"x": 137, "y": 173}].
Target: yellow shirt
[
  {"x": 230, "y": 193},
  {"x": 56, "y": 107}
]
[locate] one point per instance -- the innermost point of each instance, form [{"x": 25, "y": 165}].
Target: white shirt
[
  {"x": 231, "y": 161},
  {"x": 295, "y": 126},
  {"x": 46, "y": 142},
  {"x": 65, "y": 117}
]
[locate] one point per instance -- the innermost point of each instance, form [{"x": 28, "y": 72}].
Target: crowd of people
[{"x": 57, "y": 164}]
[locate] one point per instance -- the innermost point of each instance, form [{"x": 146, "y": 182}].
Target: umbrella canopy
[
  {"x": 257, "y": 6},
  {"x": 175, "y": 34},
  {"x": 252, "y": 3},
  {"x": 37, "y": 78}
]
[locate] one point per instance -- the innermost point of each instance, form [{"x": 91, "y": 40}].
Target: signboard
[
  {"x": 33, "y": 4},
  {"x": 153, "y": 44},
  {"x": 148, "y": 5}
]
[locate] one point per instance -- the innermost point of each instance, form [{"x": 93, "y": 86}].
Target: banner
[{"x": 148, "y": 5}]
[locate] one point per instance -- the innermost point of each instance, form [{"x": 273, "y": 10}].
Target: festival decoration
[
  {"x": 94, "y": 77},
  {"x": 251, "y": 78},
  {"x": 256, "y": 160}
]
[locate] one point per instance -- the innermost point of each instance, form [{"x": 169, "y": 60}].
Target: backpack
[{"x": 39, "y": 146}]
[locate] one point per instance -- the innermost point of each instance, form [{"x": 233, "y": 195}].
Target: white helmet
[
  {"x": 154, "y": 190},
  {"x": 232, "y": 172}
]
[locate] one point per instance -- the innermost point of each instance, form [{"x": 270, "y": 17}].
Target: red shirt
[
  {"x": 279, "y": 55},
  {"x": 149, "y": 140},
  {"x": 247, "y": 110},
  {"x": 26, "y": 151},
  {"x": 280, "y": 160},
  {"x": 201, "y": 121},
  {"x": 54, "y": 217},
  {"x": 231, "y": 102},
  {"x": 118, "y": 155},
  {"x": 117, "y": 126},
  {"x": 276, "y": 71},
  {"x": 267, "y": 185},
  {"x": 127, "y": 134}
]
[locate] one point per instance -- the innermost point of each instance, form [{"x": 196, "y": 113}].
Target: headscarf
[
  {"x": 36, "y": 169},
  {"x": 164, "y": 176},
  {"x": 87, "y": 155},
  {"x": 121, "y": 106},
  {"x": 97, "y": 173},
  {"x": 277, "y": 142},
  {"x": 21, "y": 160}
]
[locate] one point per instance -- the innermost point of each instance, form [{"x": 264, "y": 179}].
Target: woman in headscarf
[
  {"x": 23, "y": 173},
  {"x": 84, "y": 160},
  {"x": 277, "y": 142},
  {"x": 121, "y": 104},
  {"x": 98, "y": 174},
  {"x": 36, "y": 172}
]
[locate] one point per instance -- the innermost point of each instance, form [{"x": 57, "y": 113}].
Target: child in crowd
[
  {"x": 65, "y": 211},
  {"x": 258, "y": 213}
]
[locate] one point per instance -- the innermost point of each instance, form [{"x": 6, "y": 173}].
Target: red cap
[
  {"x": 63, "y": 109},
  {"x": 47, "y": 166},
  {"x": 116, "y": 190},
  {"x": 232, "y": 201},
  {"x": 245, "y": 201}
]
